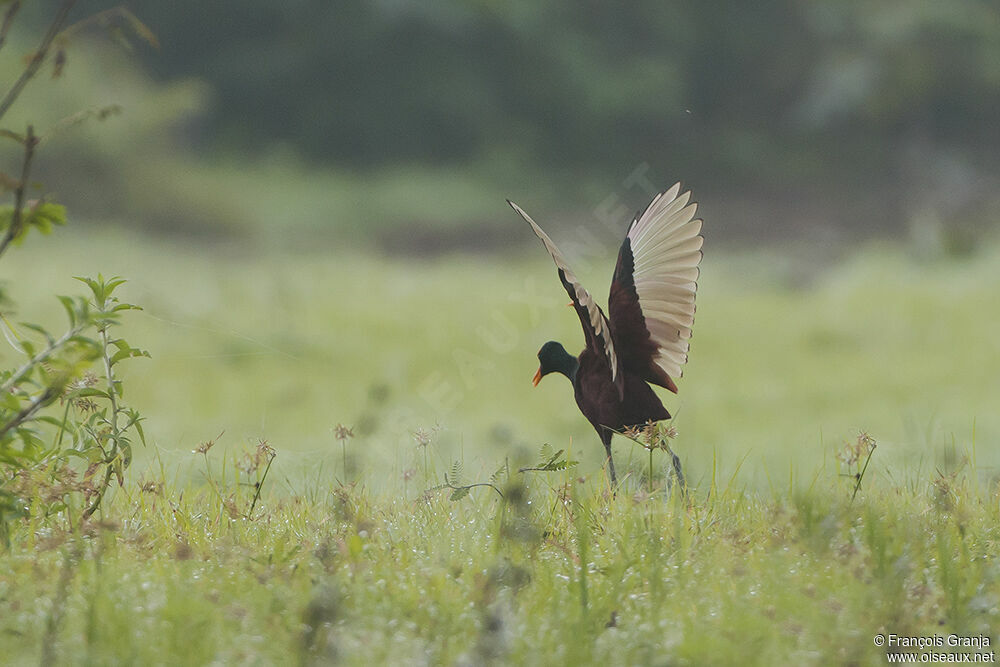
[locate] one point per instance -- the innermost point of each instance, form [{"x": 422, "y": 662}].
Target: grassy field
[{"x": 769, "y": 559}]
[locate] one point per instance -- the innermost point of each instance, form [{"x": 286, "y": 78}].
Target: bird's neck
[{"x": 568, "y": 366}]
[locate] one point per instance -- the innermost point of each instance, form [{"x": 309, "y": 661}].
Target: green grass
[
  {"x": 341, "y": 573},
  {"x": 782, "y": 369},
  {"x": 768, "y": 561}
]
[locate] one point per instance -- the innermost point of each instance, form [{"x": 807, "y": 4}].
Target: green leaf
[
  {"x": 48, "y": 419},
  {"x": 44, "y": 215},
  {"x": 126, "y": 351},
  {"x": 113, "y": 284},
  {"x": 90, "y": 455},
  {"x": 137, "y": 422},
  {"x": 39, "y": 329},
  {"x": 95, "y": 288},
  {"x": 460, "y": 493},
  {"x": 125, "y": 306},
  {"x": 127, "y": 354},
  {"x": 551, "y": 461},
  {"x": 31, "y": 441},
  {"x": 101, "y": 289},
  {"x": 126, "y": 446},
  {"x": 118, "y": 467},
  {"x": 27, "y": 347},
  {"x": 70, "y": 307},
  {"x": 87, "y": 391},
  {"x": 497, "y": 477},
  {"x": 10, "y": 402},
  {"x": 455, "y": 478}
]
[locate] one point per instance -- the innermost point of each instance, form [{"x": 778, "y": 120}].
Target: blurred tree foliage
[
  {"x": 768, "y": 92},
  {"x": 784, "y": 115}
]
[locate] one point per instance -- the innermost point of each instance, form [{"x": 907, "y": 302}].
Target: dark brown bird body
[
  {"x": 651, "y": 307},
  {"x": 598, "y": 400}
]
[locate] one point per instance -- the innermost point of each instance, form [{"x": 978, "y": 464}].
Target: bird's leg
[
  {"x": 606, "y": 439},
  {"x": 678, "y": 473}
]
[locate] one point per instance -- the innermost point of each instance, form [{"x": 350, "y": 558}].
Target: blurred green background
[{"x": 308, "y": 200}]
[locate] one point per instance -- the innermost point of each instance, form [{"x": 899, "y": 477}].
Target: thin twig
[
  {"x": 38, "y": 57},
  {"x": 472, "y": 486},
  {"x": 30, "y": 141},
  {"x": 8, "y": 20},
  {"x": 861, "y": 475},
  {"x": 100, "y": 494},
  {"x": 112, "y": 390},
  {"x": 40, "y": 357},
  {"x": 29, "y": 410},
  {"x": 448, "y": 484},
  {"x": 260, "y": 485},
  {"x": 116, "y": 433},
  {"x": 105, "y": 17}
]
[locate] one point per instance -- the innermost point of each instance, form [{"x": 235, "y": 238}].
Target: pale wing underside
[
  {"x": 580, "y": 295},
  {"x": 666, "y": 250}
]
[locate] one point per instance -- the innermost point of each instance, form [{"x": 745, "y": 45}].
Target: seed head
[
  {"x": 264, "y": 453},
  {"x": 853, "y": 452},
  {"x": 342, "y": 433},
  {"x": 422, "y": 437},
  {"x": 207, "y": 445}
]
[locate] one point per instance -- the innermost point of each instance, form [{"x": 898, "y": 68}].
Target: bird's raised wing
[
  {"x": 595, "y": 324},
  {"x": 651, "y": 305}
]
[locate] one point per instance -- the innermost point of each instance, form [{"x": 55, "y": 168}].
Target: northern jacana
[{"x": 645, "y": 337}]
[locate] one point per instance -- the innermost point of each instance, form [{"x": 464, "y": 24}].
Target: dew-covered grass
[{"x": 770, "y": 558}]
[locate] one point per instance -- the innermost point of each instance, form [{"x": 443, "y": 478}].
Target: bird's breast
[{"x": 595, "y": 392}]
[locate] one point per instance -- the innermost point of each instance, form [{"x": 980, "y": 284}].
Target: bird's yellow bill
[{"x": 538, "y": 377}]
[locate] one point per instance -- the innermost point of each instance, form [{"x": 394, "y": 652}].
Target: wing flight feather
[
  {"x": 652, "y": 301},
  {"x": 595, "y": 324}
]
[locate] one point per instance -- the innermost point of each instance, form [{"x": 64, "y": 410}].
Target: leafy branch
[
  {"x": 79, "y": 318},
  {"x": 96, "y": 420},
  {"x": 460, "y": 490},
  {"x": 113, "y": 440},
  {"x": 39, "y": 401},
  {"x": 550, "y": 461}
]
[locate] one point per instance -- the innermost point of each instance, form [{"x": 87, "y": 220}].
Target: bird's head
[{"x": 553, "y": 357}]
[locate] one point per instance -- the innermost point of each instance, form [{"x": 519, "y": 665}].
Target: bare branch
[
  {"x": 29, "y": 410},
  {"x": 38, "y": 57},
  {"x": 30, "y": 141},
  {"x": 8, "y": 20}
]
